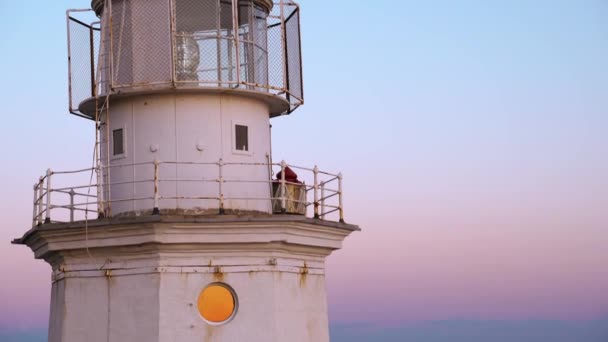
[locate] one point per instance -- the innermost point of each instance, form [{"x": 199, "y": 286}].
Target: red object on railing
[{"x": 290, "y": 176}]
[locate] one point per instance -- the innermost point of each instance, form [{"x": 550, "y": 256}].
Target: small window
[
  {"x": 118, "y": 139},
  {"x": 241, "y": 134}
]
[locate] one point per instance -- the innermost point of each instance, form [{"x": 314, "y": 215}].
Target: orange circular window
[{"x": 217, "y": 303}]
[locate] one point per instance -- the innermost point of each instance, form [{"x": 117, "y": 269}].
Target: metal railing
[{"x": 69, "y": 196}]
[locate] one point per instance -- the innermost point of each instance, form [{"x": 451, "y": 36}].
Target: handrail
[{"x": 66, "y": 202}]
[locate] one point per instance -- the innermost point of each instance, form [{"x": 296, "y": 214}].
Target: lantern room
[{"x": 251, "y": 47}]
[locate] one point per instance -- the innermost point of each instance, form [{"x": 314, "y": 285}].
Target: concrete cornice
[{"x": 252, "y": 233}]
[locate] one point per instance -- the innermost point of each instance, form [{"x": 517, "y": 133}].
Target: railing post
[
  {"x": 48, "y": 196},
  {"x": 340, "y": 197},
  {"x": 173, "y": 44},
  {"x": 101, "y": 210},
  {"x": 323, "y": 201},
  {"x": 283, "y": 188},
  {"x": 40, "y": 201},
  {"x": 72, "y": 193},
  {"x": 315, "y": 171},
  {"x": 237, "y": 47},
  {"x": 34, "y": 216},
  {"x": 156, "y": 210},
  {"x": 221, "y": 185}
]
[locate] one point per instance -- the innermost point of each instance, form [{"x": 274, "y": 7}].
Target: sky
[{"x": 472, "y": 136}]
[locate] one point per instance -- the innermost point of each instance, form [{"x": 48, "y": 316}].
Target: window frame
[
  {"x": 235, "y": 149},
  {"x": 124, "y": 143}
]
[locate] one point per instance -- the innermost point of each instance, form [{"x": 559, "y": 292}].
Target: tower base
[{"x": 138, "y": 279}]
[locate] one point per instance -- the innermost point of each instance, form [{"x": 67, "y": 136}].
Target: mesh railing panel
[
  {"x": 97, "y": 57},
  {"x": 103, "y": 71},
  {"x": 294, "y": 57},
  {"x": 276, "y": 66},
  {"x": 260, "y": 41},
  {"x": 82, "y": 52},
  {"x": 121, "y": 43},
  {"x": 197, "y": 41},
  {"x": 141, "y": 43}
]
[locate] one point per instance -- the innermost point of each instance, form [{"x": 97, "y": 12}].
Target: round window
[{"x": 217, "y": 303}]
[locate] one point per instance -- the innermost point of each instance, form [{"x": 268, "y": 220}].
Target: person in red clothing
[{"x": 290, "y": 176}]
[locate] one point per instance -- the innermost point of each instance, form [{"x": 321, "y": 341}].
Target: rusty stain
[
  {"x": 272, "y": 261},
  {"x": 209, "y": 337},
  {"x": 218, "y": 274},
  {"x": 303, "y": 275},
  {"x": 108, "y": 273}
]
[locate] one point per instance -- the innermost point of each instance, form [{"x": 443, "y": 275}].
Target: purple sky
[{"x": 472, "y": 136}]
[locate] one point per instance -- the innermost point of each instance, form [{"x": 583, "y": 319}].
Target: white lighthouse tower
[{"x": 185, "y": 229}]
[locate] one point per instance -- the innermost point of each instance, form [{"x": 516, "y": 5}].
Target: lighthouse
[{"x": 184, "y": 227}]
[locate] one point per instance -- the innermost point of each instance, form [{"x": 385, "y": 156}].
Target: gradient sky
[{"x": 473, "y": 136}]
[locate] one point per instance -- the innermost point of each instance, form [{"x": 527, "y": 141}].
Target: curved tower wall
[{"x": 183, "y": 132}]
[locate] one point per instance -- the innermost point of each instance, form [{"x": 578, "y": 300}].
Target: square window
[
  {"x": 118, "y": 139},
  {"x": 241, "y": 135}
]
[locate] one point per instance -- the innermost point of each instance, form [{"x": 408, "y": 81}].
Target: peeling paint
[{"x": 210, "y": 330}]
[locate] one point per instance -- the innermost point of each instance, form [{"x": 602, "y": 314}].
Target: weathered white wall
[
  {"x": 57, "y": 317},
  {"x": 274, "y": 305},
  {"x": 188, "y": 128}
]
